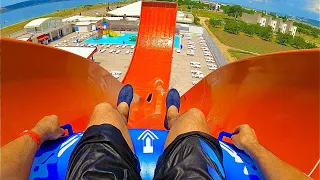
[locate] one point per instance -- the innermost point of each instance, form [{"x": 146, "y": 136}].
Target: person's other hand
[
  {"x": 48, "y": 128},
  {"x": 244, "y": 137}
]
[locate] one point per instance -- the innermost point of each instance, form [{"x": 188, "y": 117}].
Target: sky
[{"x": 303, "y": 8}]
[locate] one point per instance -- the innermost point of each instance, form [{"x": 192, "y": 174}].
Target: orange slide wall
[{"x": 277, "y": 94}]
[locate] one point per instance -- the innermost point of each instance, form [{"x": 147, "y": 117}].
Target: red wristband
[{"x": 34, "y": 136}]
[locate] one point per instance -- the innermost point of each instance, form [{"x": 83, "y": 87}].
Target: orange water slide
[
  {"x": 150, "y": 68},
  {"x": 276, "y": 94}
]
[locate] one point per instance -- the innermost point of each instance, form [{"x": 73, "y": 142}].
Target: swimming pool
[{"x": 125, "y": 37}]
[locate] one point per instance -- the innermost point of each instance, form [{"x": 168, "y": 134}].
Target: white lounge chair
[
  {"x": 116, "y": 76},
  {"x": 116, "y": 72},
  {"x": 194, "y": 82},
  {"x": 117, "y": 46},
  {"x": 178, "y": 50},
  {"x": 118, "y": 51},
  {"x": 108, "y": 45},
  {"x": 210, "y": 61},
  {"x": 190, "y": 53},
  {"x": 132, "y": 47},
  {"x": 195, "y": 66},
  {"x": 111, "y": 51},
  {"x": 195, "y": 62},
  {"x": 103, "y": 50},
  {"x": 127, "y": 52},
  {"x": 123, "y": 46}
]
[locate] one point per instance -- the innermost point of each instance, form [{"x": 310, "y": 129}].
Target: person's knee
[
  {"x": 195, "y": 113},
  {"x": 105, "y": 106}
]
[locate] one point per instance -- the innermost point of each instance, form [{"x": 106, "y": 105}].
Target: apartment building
[{"x": 276, "y": 24}]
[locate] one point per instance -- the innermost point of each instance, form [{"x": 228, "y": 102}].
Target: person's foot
[
  {"x": 173, "y": 99},
  {"x": 124, "y": 100}
]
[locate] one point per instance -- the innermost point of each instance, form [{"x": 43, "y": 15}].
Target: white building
[
  {"x": 134, "y": 10},
  {"x": 273, "y": 24},
  {"x": 293, "y": 30},
  {"x": 74, "y": 19},
  {"x": 282, "y": 26},
  {"x": 85, "y": 26},
  {"x": 47, "y": 29},
  {"x": 263, "y": 22},
  {"x": 276, "y": 24}
]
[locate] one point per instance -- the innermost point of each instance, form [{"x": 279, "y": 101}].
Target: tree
[
  {"x": 284, "y": 39},
  {"x": 248, "y": 29},
  {"x": 232, "y": 27},
  {"x": 298, "y": 42},
  {"x": 225, "y": 8},
  {"x": 215, "y": 22},
  {"x": 235, "y": 11},
  {"x": 266, "y": 33},
  {"x": 196, "y": 19}
]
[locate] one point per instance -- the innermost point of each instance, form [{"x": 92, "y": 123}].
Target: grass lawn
[
  {"x": 310, "y": 38},
  {"x": 62, "y": 13},
  {"x": 210, "y": 14},
  {"x": 252, "y": 44},
  {"x": 240, "y": 54}
]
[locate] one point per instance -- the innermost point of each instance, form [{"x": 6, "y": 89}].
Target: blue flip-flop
[
  {"x": 125, "y": 95},
  {"x": 173, "y": 98}
]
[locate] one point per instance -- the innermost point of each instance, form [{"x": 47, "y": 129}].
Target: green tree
[
  {"x": 266, "y": 33},
  {"x": 196, "y": 19},
  {"x": 232, "y": 27},
  {"x": 298, "y": 42},
  {"x": 225, "y": 8},
  {"x": 284, "y": 39},
  {"x": 310, "y": 45},
  {"x": 307, "y": 29},
  {"x": 249, "y": 29},
  {"x": 215, "y": 22},
  {"x": 235, "y": 11}
]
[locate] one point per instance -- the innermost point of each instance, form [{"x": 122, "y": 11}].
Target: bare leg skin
[
  {"x": 104, "y": 113},
  {"x": 192, "y": 120}
]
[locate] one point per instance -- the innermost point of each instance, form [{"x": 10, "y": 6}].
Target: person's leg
[
  {"x": 104, "y": 113},
  {"x": 105, "y": 150},
  {"x": 190, "y": 151},
  {"x": 192, "y": 120}
]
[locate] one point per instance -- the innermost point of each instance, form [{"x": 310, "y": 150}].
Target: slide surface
[{"x": 151, "y": 62}]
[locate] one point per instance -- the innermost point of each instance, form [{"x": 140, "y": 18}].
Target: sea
[{"x": 18, "y": 15}]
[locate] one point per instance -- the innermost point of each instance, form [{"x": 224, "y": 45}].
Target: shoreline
[{"x": 5, "y": 31}]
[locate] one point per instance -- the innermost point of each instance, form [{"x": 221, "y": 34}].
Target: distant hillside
[
  {"x": 309, "y": 21},
  {"x": 26, "y": 4}
]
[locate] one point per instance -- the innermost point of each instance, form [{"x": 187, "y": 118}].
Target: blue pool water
[{"x": 125, "y": 37}]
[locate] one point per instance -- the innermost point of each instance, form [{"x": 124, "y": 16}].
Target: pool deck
[{"x": 180, "y": 71}]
